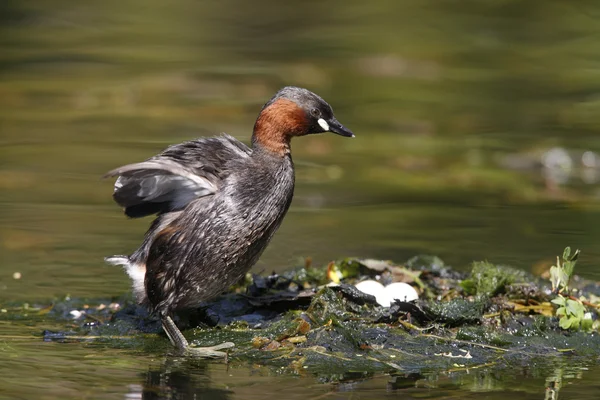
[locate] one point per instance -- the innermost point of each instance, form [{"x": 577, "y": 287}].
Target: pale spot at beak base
[{"x": 323, "y": 124}]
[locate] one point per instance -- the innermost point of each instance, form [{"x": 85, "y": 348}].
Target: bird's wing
[{"x": 173, "y": 178}]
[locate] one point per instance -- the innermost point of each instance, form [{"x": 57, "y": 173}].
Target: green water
[{"x": 453, "y": 105}]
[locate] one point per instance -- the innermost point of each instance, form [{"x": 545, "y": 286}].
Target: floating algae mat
[{"x": 314, "y": 319}]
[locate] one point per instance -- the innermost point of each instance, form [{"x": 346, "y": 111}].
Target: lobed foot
[
  {"x": 209, "y": 352},
  {"x": 181, "y": 343}
]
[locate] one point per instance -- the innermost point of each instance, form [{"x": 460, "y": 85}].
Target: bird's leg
[
  {"x": 174, "y": 334},
  {"x": 181, "y": 343}
]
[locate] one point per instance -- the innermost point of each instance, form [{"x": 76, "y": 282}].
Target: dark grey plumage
[{"x": 225, "y": 239}]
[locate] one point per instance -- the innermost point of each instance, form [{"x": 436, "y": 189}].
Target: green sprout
[
  {"x": 570, "y": 311},
  {"x": 560, "y": 274}
]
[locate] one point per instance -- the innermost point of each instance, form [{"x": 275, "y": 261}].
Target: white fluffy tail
[
  {"x": 117, "y": 260},
  {"x": 137, "y": 273}
]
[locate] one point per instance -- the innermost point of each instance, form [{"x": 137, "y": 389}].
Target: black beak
[{"x": 339, "y": 129}]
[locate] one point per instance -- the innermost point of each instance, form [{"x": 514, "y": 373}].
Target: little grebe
[{"x": 218, "y": 201}]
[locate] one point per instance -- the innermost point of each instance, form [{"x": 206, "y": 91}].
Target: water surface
[{"x": 454, "y": 106}]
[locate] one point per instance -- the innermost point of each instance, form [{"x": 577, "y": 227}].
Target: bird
[{"x": 218, "y": 203}]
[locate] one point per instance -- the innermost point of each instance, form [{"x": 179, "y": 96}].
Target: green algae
[
  {"x": 480, "y": 334},
  {"x": 456, "y": 312}
]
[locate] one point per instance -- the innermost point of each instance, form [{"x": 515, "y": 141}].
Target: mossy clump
[{"x": 490, "y": 280}]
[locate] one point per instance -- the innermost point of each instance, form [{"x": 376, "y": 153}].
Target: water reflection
[{"x": 178, "y": 379}]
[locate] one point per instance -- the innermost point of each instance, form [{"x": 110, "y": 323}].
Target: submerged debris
[{"x": 315, "y": 319}]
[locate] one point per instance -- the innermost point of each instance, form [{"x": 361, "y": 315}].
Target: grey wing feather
[{"x": 178, "y": 175}]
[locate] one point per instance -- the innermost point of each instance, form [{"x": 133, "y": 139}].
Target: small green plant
[
  {"x": 571, "y": 312},
  {"x": 560, "y": 274}
]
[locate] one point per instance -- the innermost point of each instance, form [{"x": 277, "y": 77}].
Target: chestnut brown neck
[{"x": 276, "y": 125}]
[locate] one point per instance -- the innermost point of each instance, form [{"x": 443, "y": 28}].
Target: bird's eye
[{"x": 315, "y": 112}]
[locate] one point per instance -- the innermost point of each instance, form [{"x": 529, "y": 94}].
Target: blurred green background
[{"x": 476, "y": 126}]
